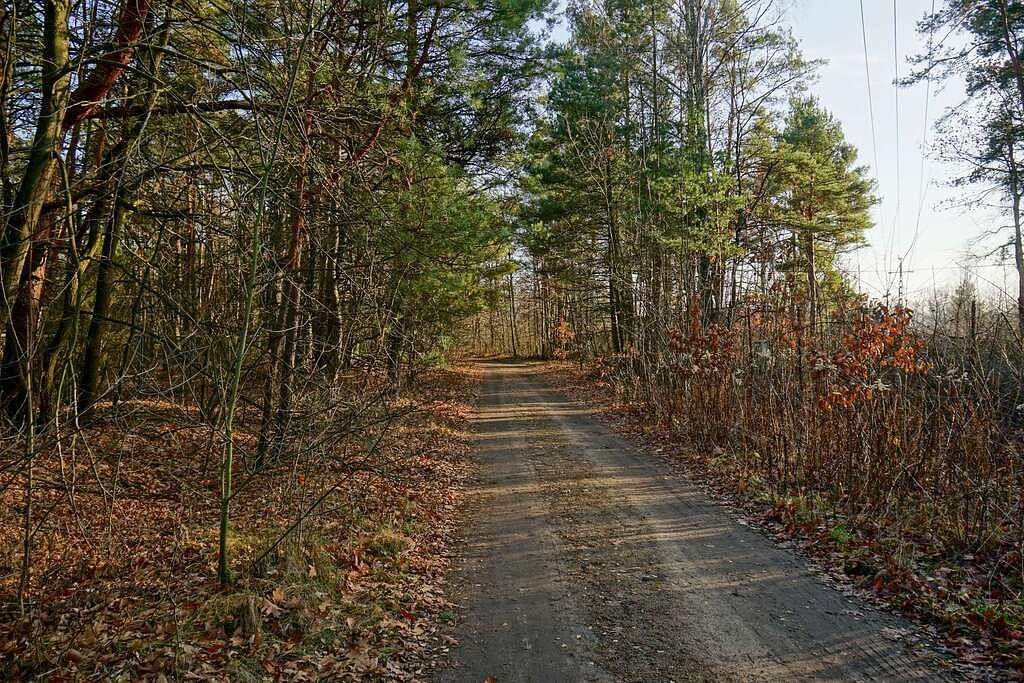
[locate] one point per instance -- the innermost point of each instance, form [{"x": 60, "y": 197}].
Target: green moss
[{"x": 841, "y": 536}]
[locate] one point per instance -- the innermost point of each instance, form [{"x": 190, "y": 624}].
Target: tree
[
  {"x": 981, "y": 43},
  {"x": 647, "y": 180},
  {"x": 823, "y": 198}
]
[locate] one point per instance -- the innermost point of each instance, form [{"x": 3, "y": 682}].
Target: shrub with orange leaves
[
  {"x": 877, "y": 346},
  {"x": 564, "y": 336},
  {"x": 707, "y": 351},
  {"x": 600, "y": 370},
  {"x": 848, "y": 422}
]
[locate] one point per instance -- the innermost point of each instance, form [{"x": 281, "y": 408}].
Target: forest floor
[
  {"x": 124, "y": 560},
  {"x": 589, "y": 559}
]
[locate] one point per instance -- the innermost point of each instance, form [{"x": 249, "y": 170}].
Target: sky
[{"x": 946, "y": 234}]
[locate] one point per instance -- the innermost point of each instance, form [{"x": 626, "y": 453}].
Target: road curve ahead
[{"x": 586, "y": 560}]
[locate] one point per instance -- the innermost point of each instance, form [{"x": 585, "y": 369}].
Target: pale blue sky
[{"x": 831, "y": 29}]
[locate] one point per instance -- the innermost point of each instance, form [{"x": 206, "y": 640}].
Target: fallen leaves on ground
[{"x": 124, "y": 560}]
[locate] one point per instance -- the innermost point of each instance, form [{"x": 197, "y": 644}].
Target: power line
[
  {"x": 891, "y": 245},
  {"x": 871, "y": 100},
  {"x": 896, "y": 90},
  {"x": 929, "y": 269},
  {"x": 922, "y": 187}
]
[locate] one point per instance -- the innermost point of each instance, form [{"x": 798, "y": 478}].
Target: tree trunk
[
  {"x": 1013, "y": 54},
  {"x": 293, "y": 292},
  {"x": 812, "y": 283},
  {"x": 88, "y": 383},
  {"x": 23, "y": 225},
  {"x": 395, "y": 342},
  {"x": 273, "y": 302},
  {"x": 92, "y": 88},
  {"x": 512, "y": 315},
  {"x": 1018, "y": 244},
  {"x": 22, "y": 332}
]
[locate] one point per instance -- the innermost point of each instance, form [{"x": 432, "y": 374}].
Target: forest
[{"x": 287, "y": 287}]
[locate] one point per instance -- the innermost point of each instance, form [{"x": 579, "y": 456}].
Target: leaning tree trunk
[
  {"x": 32, "y": 228},
  {"x": 36, "y": 182}
]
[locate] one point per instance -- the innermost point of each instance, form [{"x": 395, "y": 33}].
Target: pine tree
[{"x": 822, "y": 197}]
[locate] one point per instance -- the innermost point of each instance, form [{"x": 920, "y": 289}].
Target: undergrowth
[
  {"x": 355, "y": 590},
  {"x": 895, "y": 456}
]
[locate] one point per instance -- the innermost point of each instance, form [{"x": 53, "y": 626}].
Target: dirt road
[{"x": 587, "y": 560}]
